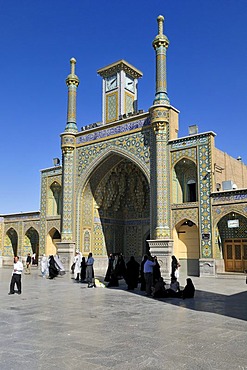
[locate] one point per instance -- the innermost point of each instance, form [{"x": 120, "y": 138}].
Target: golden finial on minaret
[
  {"x": 160, "y": 39},
  {"x": 160, "y": 20},
  {"x": 72, "y": 78}
]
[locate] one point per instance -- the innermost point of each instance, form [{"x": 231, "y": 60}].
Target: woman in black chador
[
  {"x": 132, "y": 273},
  {"x": 120, "y": 268},
  {"x": 53, "y": 271},
  {"x": 189, "y": 289},
  {"x": 156, "y": 271},
  {"x": 83, "y": 269},
  {"x": 175, "y": 266},
  {"x": 109, "y": 268}
]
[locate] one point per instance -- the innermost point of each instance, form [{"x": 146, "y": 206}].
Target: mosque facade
[{"x": 130, "y": 184}]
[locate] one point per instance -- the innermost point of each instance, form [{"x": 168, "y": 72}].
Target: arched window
[
  {"x": 55, "y": 199},
  {"x": 184, "y": 187},
  {"x": 191, "y": 191}
]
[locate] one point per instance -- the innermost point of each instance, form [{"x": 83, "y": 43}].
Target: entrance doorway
[
  {"x": 232, "y": 237},
  {"x": 115, "y": 213},
  {"x": 235, "y": 255},
  {"x": 187, "y": 246},
  {"x": 53, "y": 237}
]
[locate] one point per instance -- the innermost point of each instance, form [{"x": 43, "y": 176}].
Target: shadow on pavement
[{"x": 232, "y": 306}]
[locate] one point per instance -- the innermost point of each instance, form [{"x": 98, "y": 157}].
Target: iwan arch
[{"x": 129, "y": 183}]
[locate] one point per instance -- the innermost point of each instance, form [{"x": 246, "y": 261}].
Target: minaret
[
  {"x": 160, "y": 45},
  {"x": 160, "y": 113},
  {"x": 66, "y": 247},
  {"x": 72, "y": 82}
]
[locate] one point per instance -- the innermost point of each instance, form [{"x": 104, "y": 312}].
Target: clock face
[
  {"x": 130, "y": 83},
  {"x": 111, "y": 82}
]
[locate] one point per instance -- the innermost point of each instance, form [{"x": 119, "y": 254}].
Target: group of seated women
[{"x": 174, "y": 291}]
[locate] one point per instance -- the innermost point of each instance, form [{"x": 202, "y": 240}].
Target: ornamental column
[
  {"x": 66, "y": 248},
  {"x": 161, "y": 243}
]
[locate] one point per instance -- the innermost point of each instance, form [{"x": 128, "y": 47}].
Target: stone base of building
[
  {"x": 219, "y": 266},
  {"x": 9, "y": 261},
  {"x": 100, "y": 266},
  {"x": 66, "y": 252},
  {"x": 162, "y": 249},
  {"x": 207, "y": 267},
  {"x": 189, "y": 267}
]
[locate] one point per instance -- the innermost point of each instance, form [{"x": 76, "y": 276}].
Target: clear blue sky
[{"x": 206, "y": 65}]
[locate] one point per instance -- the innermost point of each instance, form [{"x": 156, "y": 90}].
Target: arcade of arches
[{"x": 30, "y": 243}]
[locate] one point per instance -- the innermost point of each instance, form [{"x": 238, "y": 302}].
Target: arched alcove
[
  {"x": 10, "y": 243},
  {"x": 184, "y": 184},
  {"x": 11, "y": 247},
  {"x": 54, "y": 199},
  {"x": 187, "y": 246},
  {"x": 53, "y": 237},
  {"x": 114, "y": 209},
  {"x": 31, "y": 242},
  {"x": 232, "y": 241}
]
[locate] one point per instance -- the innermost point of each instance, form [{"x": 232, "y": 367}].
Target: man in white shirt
[
  {"x": 148, "y": 274},
  {"x": 16, "y": 276}
]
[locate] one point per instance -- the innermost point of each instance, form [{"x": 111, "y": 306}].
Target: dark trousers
[
  {"x": 149, "y": 282},
  {"x": 16, "y": 279}
]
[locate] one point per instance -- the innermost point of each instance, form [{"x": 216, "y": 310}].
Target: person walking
[
  {"x": 53, "y": 271},
  {"x": 28, "y": 264},
  {"x": 89, "y": 270},
  {"x": 16, "y": 276},
  {"x": 44, "y": 266},
  {"x": 174, "y": 267}
]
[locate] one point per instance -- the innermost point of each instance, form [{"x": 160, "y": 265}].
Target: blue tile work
[
  {"x": 47, "y": 178},
  {"x": 204, "y": 157},
  {"x": 111, "y": 131},
  {"x": 199, "y": 149},
  {"x": 136, "y": 145}
]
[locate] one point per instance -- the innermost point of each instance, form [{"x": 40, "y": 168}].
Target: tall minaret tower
[
  {"x": 72, "y": 82},
  {"x": 163, "y": 117},
  {"x": 160, "y": 45},
  {"x": 68, "y": 143}
]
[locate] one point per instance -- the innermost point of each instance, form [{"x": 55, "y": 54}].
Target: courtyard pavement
[{"x": 60, "y": 324}]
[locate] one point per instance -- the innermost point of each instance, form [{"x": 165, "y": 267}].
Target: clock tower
[{"x": 120, "y": 81}]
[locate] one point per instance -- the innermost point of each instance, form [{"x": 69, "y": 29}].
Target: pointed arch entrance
[
  {"x": 187, "y": 246},
  {"x": 232, "y": 241},
  {"x": 31, "y": 243},
  {"x": 114, "y": 209},
  {"x": 11, "y": 243},
  {"x": 53, "y": 237}
]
